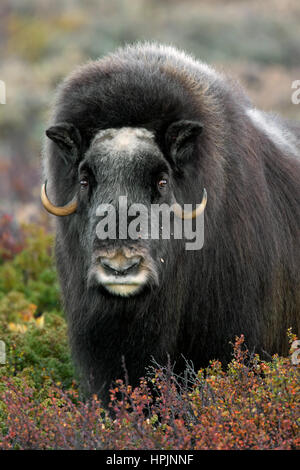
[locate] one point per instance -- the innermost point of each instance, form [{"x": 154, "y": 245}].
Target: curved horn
[
  {"x": 60, "y": 211},
  {"x": 195, "y": 213}
]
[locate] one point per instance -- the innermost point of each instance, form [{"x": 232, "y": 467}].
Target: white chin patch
[
  {"x": 124, "y": 290},
  {"x": 124, "y": 287}
]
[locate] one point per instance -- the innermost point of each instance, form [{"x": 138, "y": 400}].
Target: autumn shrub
[
  {"x": 250, "y": 404},
  {"x": 31, "y": 322},
  {"x": 40, "y": 353},
  {"x": 11, "y": 237},
  {"x": 32, "y": 270}
]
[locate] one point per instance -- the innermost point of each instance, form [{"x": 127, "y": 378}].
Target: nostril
[
  {"x": 132, "y": 266},
  {"x": 117, "y": 268},
  {"x": 108, "y": 266}
]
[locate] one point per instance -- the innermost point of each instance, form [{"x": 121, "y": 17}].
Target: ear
[
  {"x": 68, "y": 139},
  {"x": 180, "y": 140}
]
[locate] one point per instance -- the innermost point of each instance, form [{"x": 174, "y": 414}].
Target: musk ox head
[
  {"x": 127, "y": 165},
  {"x": 151, "y": 129}
]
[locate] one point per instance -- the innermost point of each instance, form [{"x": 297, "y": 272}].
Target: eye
[
  {"x": 162, "y": 183},
  {"x": 84, "y": 183}
]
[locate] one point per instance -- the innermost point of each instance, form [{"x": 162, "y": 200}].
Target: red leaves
[
  {"x": 253, "y": 405},
  {"x": 11, "y": 238}
]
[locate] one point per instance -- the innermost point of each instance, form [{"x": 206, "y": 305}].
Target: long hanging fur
[{"x": 246, "y": 277}]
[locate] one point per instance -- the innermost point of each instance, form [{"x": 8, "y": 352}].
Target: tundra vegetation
[{"x": 251, "y": 404}]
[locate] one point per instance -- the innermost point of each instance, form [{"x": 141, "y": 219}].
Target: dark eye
[
  {"x": 84, "y": 183},
  {"x": 162, "y": 183}
]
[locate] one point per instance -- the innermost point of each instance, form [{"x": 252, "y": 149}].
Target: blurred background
[{"x": 42, "y": 41}]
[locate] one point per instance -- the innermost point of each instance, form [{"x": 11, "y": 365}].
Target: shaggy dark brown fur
[{"x": 246, "y": 277}]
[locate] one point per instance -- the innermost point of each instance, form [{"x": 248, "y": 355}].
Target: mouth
[
  {"x": 123, "y": 286},
  {"x": 122, "y": 274}
]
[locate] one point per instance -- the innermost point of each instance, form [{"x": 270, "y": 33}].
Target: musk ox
[{"x": 151, "y": 123}]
